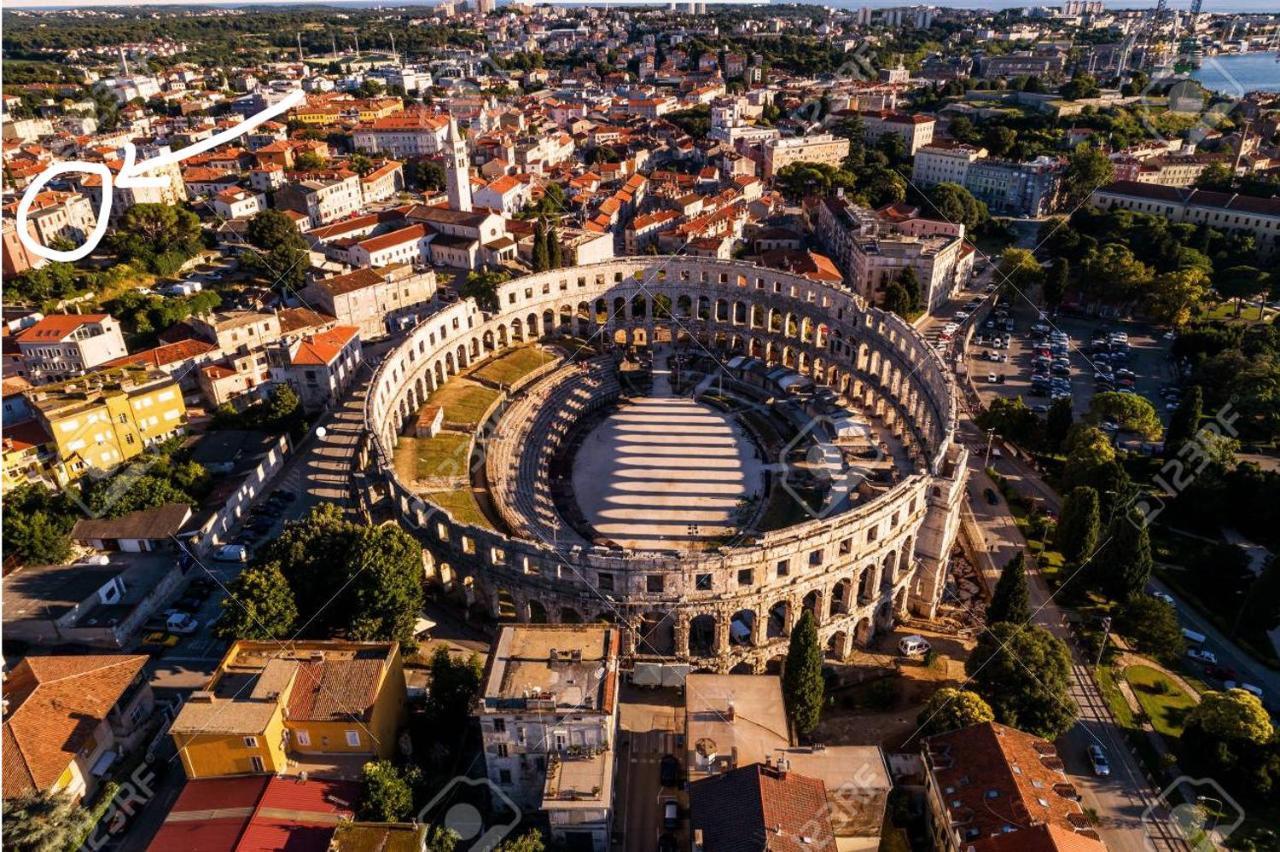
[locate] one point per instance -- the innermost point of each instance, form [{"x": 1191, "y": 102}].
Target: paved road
[
  {"x": 651, "y": 724},
  {"x": 1121, "y": 800}
]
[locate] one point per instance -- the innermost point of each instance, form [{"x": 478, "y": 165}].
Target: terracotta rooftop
[
  {"x": 321, "y": 349},
  {"x": 169, "y": 353},
  {"x": 761, "y": 807},
  {"x": 55, "y": 703},
  {"x": 56, "y": 327}
]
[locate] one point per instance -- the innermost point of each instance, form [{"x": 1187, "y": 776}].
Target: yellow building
[
  {"x": 103, "y": 419},
  {"x": 268, "y": 709}
]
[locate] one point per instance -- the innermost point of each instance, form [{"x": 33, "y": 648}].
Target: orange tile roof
[
  {"x": 169, "y": 353},
  {"x": 56, "y": 327},
  {"x": 321, "y": 349},
  {"x": 395, "y": 238},
  {"x": 55, "y": 703}
]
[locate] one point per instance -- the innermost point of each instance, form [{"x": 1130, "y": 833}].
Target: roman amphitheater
[{"x": 696, "y": 449}]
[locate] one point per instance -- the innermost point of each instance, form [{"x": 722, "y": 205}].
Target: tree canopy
[
  {"x": 802, "y": 684},
  {"x": 1024, "y": 673},
  {"x": 950, "y": 709}
]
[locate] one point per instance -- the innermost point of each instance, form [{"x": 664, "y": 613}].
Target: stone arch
[
  {"x": 836, "y": 646},
  {"x": 779, "y": 620},
  {"x": 867, "y": 585},
  {"x": 742, "y": 627},
  {"x": 863, "y": 632},
  {"x": 889, "y": 569},
  {"x": 657, "y": 634},
  {"x": 684, "y": 306},
  {"x": 537, "y": 612},
  {"x": 569, "y": 615},
  {"x": 702, "y": 635},
  {"x": 813, "y": 603},
  {"x": 841, "y": 597}
]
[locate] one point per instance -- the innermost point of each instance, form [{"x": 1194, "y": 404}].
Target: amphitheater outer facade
[{"x": 859, "y": 571}]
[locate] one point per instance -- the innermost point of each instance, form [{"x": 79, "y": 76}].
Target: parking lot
[{"x": 1072, "y": 355}]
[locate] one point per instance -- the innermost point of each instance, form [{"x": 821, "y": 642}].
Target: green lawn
[
  {"x": 1168, "y": 709},
  {"x": 464, "y": 402},
  {"x": 461, "y": 504},
  {"x": 424, "y": 458},
  {"x": 510, "y": 368}
]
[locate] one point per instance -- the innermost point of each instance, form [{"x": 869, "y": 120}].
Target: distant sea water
[{"x": 1238, "y": 73}]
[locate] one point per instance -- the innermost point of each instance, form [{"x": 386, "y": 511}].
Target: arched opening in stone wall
[
  {"x": 779, "y": 621},
  {"x": 657, "y": 634},
  {"x": 813, "y": 603},
  {"x": 742, "y": 627},
  {"x": 702, "y": 636},
  {"x": 836, "y": 645},
  {"x": 569, "y": 615},
  {"x": 841, "y": 596}
]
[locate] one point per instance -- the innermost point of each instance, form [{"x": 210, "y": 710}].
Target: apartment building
[
  {"x": 548, "y": 718},
  {"x": 172, "y": 191},
  {"x": 873, "y": 249},
  {"x": 1016, "y": 189},
  {"x": 319, "y": 367},
  {"x": 382, "y": 183},
  {"x": 231, "y": 331},
  {"x": 53, "y": 215},
  {"x": 407, "y": 134},
  {"x": 367, "y": 298},
  {"x": 992, "y": 788},
  {"x": 1181, "y": 171},
  {"x": 506, "y": 195},
  {"x": 944, "y": 161},
  {"x": 324, "y": 198},
  {"x": 916, "y": 130},
  {"x": 268, "y": 710},
  {"x": 1223, "y": 211},
  {"x": 824, "y": 148},
  {"x": 70, "y": 719},
  {"x": 62, "y": 346},
  {"x": 104, "y": 418},
  {"x": 1018, "y": 64},
  {"x": 238, "y": 203},
  {"x": 407, "y": 245}
]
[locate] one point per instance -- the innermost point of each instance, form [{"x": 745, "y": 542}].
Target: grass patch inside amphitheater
[
  {"x": 461, "y": 505},
  {"x": 445, "y": 455},
  {"x": 511, "y": 367},
  {"x": 464, "y": 402}
]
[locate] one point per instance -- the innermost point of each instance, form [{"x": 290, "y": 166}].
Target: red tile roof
[
  {"x": 758, "y": 807},
  {"x": 169, "y": 353},
  {"x": 56, "y": 327},
  {"x": 323, "y": 348},
  {"x": 55, "y": 703},
  {"x": 395, "y": 238}
]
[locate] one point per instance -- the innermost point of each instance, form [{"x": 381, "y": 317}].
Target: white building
[
  {"x": 319, "y": 367},
  {"x": 548, "y": 718},
  {"x": 325, "y": 198},
  {"x": 404, "y": 134},
  {"x": 506, "y": 195},
  {"x": 915, "y": 130},
  {"x": 63, "y": 346},
  {"x": 944, "y": 162},
  {"x": 367, "y": 298},
  {"x": 238, "y": 203}
]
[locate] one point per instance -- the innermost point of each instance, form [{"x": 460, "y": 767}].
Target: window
[
  {"x": 256, "y": 763},
  {"x": 815, "y": 557},
  {"x": 251, "y": 742},
  {"x": 784, "y": 567},
  {"x": 303, "y": 738},
  {"x": 604, "y": 581},
  {"x": 653, "y": 583},
  {"x": 745, "y": 577},
  {"x": 504, "y": 776},
  {"x": 702, "y": 582},
  {"x": 353, "y": 738},
  {"x": 502, "y": 750},
  {"x": 499, "y": 726}
]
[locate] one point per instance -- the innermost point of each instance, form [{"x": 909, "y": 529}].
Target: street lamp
[{"x": 986, "y": 460}]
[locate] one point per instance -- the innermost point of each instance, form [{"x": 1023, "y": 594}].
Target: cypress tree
[
  {"x": 1011, "y": 600},
  {"x": 1077, "y": 534},
  {"x": 1185, "y": 421},
  {"x": 802, "y": 686},
  {"x": 555, "y": 253},
  {"x": 541, "y": 255}
]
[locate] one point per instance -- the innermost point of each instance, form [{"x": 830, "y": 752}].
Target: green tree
[
  {"x": 1080, "y": 87},
  {"x": 1175, "y": 295},
  {"x": 308, "y": 161},
  {"x": 282, "y": 256},
  {"x": 37, "y": 525},
  {"x": 956, "y": 204},
  {"x": 260, "y": 605},
  {"x": 897, "y": 299},
  {"x": 1019, "y": 270},
  {"x": 387, "y": 791},
  {"x": 999, "y": 140},
  {"x": 1088, "y": 451},
  {"x": 283, "y": 412},
  {"x": 386, "y": 590},
  {"x": 156, "y": 235},
  {"x": 802, "y": 684},
  {"x": 950, "y": 709},
  {"x": 1024, "y": 673},
  {"x": 1057, "y": 282},
  {"x": 1115, "y": 274},
  {"x": 1241, "y": 282},
  {"x": 541, "y": 251},
  {"x": 427, "y": 175},
  {"x": 455, "y": 685},
  {"x": 483, "y": 287},
  {"x": 1153, "y": 626},
  {"x": 441, "y": 839},
  {"x": 1129, "y": 411},
  {"x": 1011, "y": 599},
  {"x": 555, "y": 251},
  {"x": 1058, "y": 423},
  {"x": 44, "y": 822},
  {"x": 1077, "y": 532},
  {"x": 1185, "y": 421},
  {"x": 1088, "y": 168},
  {"x": 530, "y": 841},
  {"x": 1123, "y": 564},
  {"x": 1233, "y": 715},
  {"x": 911, "y": 284}
]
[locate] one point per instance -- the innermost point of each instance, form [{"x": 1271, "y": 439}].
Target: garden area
[
  {"x": 511, "y": 367},
  {"x": 443, "y": 456}
]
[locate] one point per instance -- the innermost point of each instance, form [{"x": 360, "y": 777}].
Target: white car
[
  {"x": 913, "y": 645},
  {"x": 231, "y": 553},
  {"x": 1163, "y": 597},
  {"x": 951, "y": 327},
  {"x": 1247, "y": 687},
  {"x": 1098, "y": 761},
  {"x": 181, "y": 624},
  {"x": 1203, "y": 656}
]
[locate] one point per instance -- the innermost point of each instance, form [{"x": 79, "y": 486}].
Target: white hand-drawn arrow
[{"x": 132, "y": 174}]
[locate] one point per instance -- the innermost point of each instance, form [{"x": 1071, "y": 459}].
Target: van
[
  {"x": 1193, "y": 637},
  {"x": 232, "y": 553},
  {"x": 912, "y": 645}
]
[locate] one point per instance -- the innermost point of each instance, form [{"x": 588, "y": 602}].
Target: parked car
[
  {"x": 231, "y": 553},
  {"x": 1163, "y": 597},
  {"x": 990, "y": 494},
  {"x": 670, "y": 815},
  {"x": 1098, "y": 761},
  {"x": 181, "y": 623},
  {"x": 1247, "y": 687},
  {"x": 1202, "y": 655}
]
